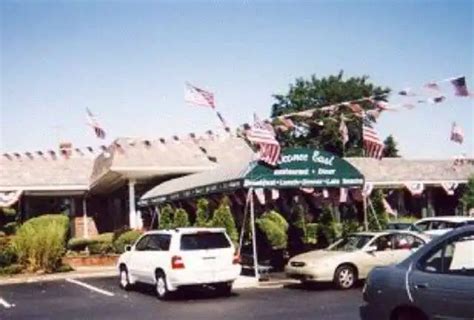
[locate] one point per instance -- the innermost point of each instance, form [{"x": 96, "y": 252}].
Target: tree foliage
[
  {"x": 390, "y": 148},
  {"x": 181, "y": 218},
  {"x": 274, "y": 227},
  {"x": 223, "y": 218},
  {"x": 166, "y": 217},
  {"x": 321, "y": 130},
  {"x": 468, "y": 196},
  {"x": 202, "y": 213}
]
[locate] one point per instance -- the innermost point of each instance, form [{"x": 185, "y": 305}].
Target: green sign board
[{"x": 300, "y": 167}]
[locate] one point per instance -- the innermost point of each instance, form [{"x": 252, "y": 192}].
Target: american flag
[
  {"x": 372, "y": 144},
  {"x": 263, "y": 135},
  {"x": 344, "y": 132},
  {"x": 198, "y": 97},
  {"x": 460, "y": 86},
  {"x": 92, "y": 121},
  {"x": 457, "y": 135}
]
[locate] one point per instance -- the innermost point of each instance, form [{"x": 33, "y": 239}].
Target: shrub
[
  {"x": 351, "y": 226},
  {"x": 202, "y": 213},
  {"x": 405, "y": 219},
  {"x": 166, "y": 217},
  {"x": 329, "y": 230},
  {"x": 223, "y": 218},
  {"x": 7, "y": 254},
  {"x": 297, "y": 229},
  {"x": 79, "y": 244},
  {"x": 11, "y": 269},
  {"x": 40, "y": 242},
  {"x": 101, "y": 244},
  {"x": 10, "y": 228},
  {"x": 274, "y": 227},
  {"x": 126, "y": 238},
  {"x": 118, "y": 232},
  {"x": 468, "y": 197},
  {"x": 2, "y": 234},
  {"x": 312, "y": 233},
  {"x": 181, "y": 219}
]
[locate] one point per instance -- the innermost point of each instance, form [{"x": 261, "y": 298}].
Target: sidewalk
[{"x": 242, "y": 282}]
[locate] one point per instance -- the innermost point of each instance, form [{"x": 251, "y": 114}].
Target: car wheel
[
  {"x": 124, "y": 279},
  {"x": 345, "y": 277},
  {"x": 161, "y": 287},
  {"x": 224, "y": 289},
  {"x": 409, "y": 314}
]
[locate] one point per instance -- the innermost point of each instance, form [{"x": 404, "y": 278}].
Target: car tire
[
  {"x": 345, "y": 277},
  {"x": 409, "y": 314},
  {"x": 224, "y": 289},
  {"x": 124, "y": 279},
  {"x": 161, "y": 287}
]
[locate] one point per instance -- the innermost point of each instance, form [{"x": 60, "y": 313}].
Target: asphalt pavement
[{"x": 101, "y": 298}]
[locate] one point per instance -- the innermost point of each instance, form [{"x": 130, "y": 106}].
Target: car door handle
[{"x": 421, "y": 286}]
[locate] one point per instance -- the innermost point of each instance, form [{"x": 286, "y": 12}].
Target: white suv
[{"x": 172, "y": 259}]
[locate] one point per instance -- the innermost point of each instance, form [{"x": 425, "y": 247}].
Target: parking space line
[
  {"x": 6, "y": 304},
  {"x": 88, "y": 286}
]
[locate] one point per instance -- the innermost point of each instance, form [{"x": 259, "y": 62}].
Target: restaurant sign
[{"x": 300, "y": 167}]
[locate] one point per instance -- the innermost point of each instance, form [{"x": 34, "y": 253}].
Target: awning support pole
[
  {"x": 85, "y": 222},
  {"x": 242, "y": 231},
  {"x": 132, "y": 215},
  {"x": 254, "y": 235},
  {"x": 366, "y": 222}
]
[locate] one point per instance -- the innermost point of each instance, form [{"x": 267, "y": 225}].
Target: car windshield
[
  {"x": 204, "y": 241},
  {"x": 350, "y": 243}
]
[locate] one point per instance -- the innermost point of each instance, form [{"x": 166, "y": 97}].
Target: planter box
[{"x": 89, "y": 261}]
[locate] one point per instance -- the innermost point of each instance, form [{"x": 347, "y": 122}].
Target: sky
[{"x": 128, "y": 61}]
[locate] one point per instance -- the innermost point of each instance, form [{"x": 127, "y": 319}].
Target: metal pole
[
  {"x": 254, "y": 235},
  {"x": 242, "y": 231},
  {"x": 84, "y": 218},
  {"x": 366, "y": 223},
  {"x": 131, "y": 205}
]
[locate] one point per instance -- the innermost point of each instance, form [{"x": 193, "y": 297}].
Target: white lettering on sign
[
  {"x": 291, "y": 172},
  {"x": 319, "y": 158},
  {"x": 293, "y": 158},
  {"x": 326, "y": 171}
]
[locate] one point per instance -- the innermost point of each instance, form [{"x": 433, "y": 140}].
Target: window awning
[{"x": 298, "y": 167}]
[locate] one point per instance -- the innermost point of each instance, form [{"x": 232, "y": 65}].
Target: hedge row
[{"x": 104, "y": 243}]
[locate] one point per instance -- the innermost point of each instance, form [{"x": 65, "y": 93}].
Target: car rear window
[{"x": 204, "y": 241}]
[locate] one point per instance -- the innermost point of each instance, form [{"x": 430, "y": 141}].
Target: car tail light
[
  {"x": 177, "y": 262},
  {"x": 236, "y": 259}
]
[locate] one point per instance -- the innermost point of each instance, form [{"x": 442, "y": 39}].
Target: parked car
[
  {"x": 174, "y": 259},
  {"x": 436, "y": 282},
  {"x": 401, "y": 226},
  {"x": 352, "y": 257},
  {"x": 436, "y": 226}
]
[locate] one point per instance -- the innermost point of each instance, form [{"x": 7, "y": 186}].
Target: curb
[{"x": 58, "y": 276}]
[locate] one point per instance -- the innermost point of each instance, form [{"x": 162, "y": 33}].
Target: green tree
[
  {"x": 297, "y": 229},
  {"x": 390, "y": 148},
  {"x": 202, "y": 213},
  {"x": 468, "y": 196},
  {"x": 166, "y": 217},
  {"x": 222, "y": 218},
  {"x": 181, "y": 218},
  {"x": 321, "y": 129},
  {"x": 329, "y": 230}
]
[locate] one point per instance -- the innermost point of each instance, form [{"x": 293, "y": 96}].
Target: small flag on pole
[
  {"x": 344, "y": 132},
  {"x": 263, "y": 135},
  {"x": 198, "y": 97},
  {"x": 460, "y": 87},
  {"x": 221, "y": 118},
  {"x": 92, "y": 121},
  {"x": 457, "y": 134},
  {"x": 432, "y": 86},
  {"x": 372, "y": 144}
]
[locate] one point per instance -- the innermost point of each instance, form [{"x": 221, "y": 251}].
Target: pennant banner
[
  {"x": 9, "y": 198},
  {"x": 415, "y": 188},
  {"x": 449, "y": 187}
]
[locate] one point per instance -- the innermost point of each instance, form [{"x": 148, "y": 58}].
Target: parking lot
[{"x": 100, "y": 298}]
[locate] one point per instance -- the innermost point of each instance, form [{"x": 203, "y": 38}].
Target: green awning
[{"x": 298, "y": 167}]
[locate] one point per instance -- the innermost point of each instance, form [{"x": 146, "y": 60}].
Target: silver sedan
[{"x": 436, "y": 282}]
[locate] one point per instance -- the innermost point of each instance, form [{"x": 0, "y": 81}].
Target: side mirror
[
  {"x": 128, "y": 247},
  {"x": 371, "y": 249}
]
